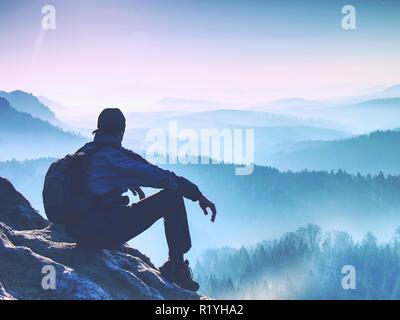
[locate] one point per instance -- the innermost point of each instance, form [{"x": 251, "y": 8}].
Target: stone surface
[
  {"x": 15, "y": 210},
  {"x": 29, "y": 244}
]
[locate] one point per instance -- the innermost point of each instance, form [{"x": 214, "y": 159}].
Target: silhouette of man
[{"x": 112, "y": 222}]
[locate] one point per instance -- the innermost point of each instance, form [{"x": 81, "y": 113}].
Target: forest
[
  {"x": 368, "y": 153},
  {"x": 266, "y": 191},
  {"x": 305, "y": 264}
]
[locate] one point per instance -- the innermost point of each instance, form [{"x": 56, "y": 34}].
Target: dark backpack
[{"x": 66, "y": 193}]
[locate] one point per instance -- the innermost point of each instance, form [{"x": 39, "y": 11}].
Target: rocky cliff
[{"x": 39, "y": 261}]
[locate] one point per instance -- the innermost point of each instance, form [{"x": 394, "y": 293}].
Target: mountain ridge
[
  {"x": 24, "y": 136},
  {"x": 28, "y": 103},
  {"x": 367, "y": 154}
]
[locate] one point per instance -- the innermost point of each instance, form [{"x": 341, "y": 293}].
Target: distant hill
[
  {"x": 54, "y": 106},
  {"x": 272, "y": 132},
  {"x": 375, "y": 109},
  {"x": 377, "y": 92},
  {"x": 27, "y": 102},
  {"x": 379, "y": 103},
  {"x": 393, "y": 91},
  {"x": 251, "y": 118},
  {"x": 23, "y": 136},
  {"x": 230, "y": 118},
  {"x": 366, "y": 116},
  {"x": 174, "y": 104},
  {"x": 286, "y": 104},
  {"x": 371, "y": 153}
]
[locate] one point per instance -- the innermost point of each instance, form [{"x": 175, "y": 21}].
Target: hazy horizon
[{"x": 132, "y": 53}]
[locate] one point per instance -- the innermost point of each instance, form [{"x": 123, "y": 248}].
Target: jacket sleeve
[
  {"x": 136, "y": 168},
  {"x": 187, "y": 188}
]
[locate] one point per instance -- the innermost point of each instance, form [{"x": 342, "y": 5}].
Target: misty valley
[{"x": 324, "y": 191}]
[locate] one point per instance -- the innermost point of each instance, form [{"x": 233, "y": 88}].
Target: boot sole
[{"x": 168, "y": 277}]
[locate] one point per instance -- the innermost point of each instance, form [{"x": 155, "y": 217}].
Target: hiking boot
[{"x": 179, "y": 274}]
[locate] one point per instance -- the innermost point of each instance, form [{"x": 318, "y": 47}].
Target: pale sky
[{"x": 132, "y": 53}]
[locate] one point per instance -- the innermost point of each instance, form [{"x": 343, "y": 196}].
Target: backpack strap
[{"x": 92, "y": 147}]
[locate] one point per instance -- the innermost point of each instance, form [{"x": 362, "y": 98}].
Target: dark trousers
[{"x": 111, "y": 226}]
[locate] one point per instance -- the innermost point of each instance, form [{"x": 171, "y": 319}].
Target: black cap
[{"x": 110, "y": 121}]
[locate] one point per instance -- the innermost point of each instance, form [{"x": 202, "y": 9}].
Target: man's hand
[
  {"x": 204, "y": 203},
  {"x": 137, "y": 191}
]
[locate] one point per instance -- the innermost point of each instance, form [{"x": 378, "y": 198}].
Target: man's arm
[
  {"x": 187, "y": 188},
  {"x": 135, "y": 168}
]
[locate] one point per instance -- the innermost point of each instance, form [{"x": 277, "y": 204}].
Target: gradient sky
[{"x": 132, "y": 53}]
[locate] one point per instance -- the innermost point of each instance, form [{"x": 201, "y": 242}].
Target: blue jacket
[{"x": 113, "y": 168}]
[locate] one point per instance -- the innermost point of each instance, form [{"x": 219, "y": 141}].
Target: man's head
[{"x": 111, "y": 121}]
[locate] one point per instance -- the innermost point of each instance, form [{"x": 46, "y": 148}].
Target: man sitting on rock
[{"x": 111, "y": 222}]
